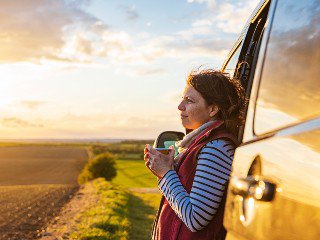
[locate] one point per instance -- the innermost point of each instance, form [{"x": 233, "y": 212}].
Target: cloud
[
  {"x": 228, "y": 17},
  {"x": 31, "y": 104},
  {"x": 17, "y": 123},
  {"x": 131, "y": 12},
  {"x": 83, "y": 45},
  {"x": 41, "y": 31},
  {"x": 173, "y": 98},
  {"x": 33, "y": 29},
  {"x": 55, "y": 30},
  {"x": 209, "y": 36},
  {"x": 151, "y": 71},
  {"x": 232, "y": 17},
  {"x": 120, "y": 125},
  {"x": 205, "y": 46},
  {"x": 211, "y": 3}
]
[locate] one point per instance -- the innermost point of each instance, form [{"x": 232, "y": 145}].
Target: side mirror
[{"x": 168, "y": 138}]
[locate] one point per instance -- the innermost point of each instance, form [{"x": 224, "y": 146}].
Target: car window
[
  {"x": 233, "y": 61},
  {"x": 289, "y": 90}
]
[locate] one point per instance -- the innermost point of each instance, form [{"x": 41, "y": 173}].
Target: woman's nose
[{"x": 181, "y": 106}]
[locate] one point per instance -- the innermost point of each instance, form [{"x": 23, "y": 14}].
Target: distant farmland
[{"x": 35, "y": 181}]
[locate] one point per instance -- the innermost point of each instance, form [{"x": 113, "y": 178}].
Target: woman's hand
[{"x": 158, "y": 163}]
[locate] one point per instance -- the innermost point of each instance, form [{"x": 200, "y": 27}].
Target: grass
[
  {"x": 141, "y": 212},
  {"x": 130, "y": 156},
  {"x": 133, "y": 174},
  {"x": 107, "y": 219},
  {"x": 121, "y": 213}
]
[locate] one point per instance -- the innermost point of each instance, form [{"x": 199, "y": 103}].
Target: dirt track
[{"x": 35, "y": 182}]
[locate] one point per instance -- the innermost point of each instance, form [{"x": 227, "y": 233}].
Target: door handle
[{"x": 253, "y": 186}]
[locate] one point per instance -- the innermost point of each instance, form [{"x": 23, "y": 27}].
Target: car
[{"x": 274, "y": 190}]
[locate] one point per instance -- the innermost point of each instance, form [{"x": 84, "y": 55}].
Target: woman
[{"x": 194, "y": 183}]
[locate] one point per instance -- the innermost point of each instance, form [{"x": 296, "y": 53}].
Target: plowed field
[{"x": 35, "y": 182}]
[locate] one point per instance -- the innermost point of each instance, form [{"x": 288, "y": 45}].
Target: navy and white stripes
[{"x": 212, "y": 173}]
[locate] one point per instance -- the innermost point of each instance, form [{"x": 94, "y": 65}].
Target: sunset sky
[{"x": 106, "y": 69}]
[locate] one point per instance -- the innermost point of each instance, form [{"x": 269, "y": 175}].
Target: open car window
[{"x": 242, "y": 63}]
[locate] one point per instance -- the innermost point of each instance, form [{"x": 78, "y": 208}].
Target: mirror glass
[{"x": 167, "y": 139}]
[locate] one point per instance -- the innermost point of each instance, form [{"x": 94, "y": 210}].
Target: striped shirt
[{"x": 213, "y": 170}]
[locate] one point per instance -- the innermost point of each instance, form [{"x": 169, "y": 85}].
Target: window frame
[
  {"x": 244, "y": 43},
  {"x": 236, "y": 47}
]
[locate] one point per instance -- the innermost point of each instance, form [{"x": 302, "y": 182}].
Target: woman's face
[{"x": 194, "y": 109}]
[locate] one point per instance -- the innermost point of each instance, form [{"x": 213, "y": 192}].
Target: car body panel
[{"x": 292, "y": 162}]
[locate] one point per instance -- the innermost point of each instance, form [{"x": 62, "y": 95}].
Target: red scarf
[{"x": 167, "y": 225}]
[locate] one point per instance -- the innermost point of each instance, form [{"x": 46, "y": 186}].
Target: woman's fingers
[
  {"x": 145, "y": 150},
  {"x": 150, "y": 165},
  {"x": 152, "y": 150},
  {"x": 151, "y": 168},
  {"x": 146, "y": 157},
  {"x": 172, "y": 152},
  {"x": 149, "y": 157},
  {"x": 147, "y": 163}
]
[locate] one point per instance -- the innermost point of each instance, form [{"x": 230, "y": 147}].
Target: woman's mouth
[{"x": 183, "y": 116}]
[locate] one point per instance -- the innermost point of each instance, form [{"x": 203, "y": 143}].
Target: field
[
  {"x": 35, "y": 181},
  {"x": 134, "y": 174},
  {"x": 131, "y": 198}
]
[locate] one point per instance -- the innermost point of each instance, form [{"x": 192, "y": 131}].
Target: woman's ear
[{"x": 214, "y": 109}]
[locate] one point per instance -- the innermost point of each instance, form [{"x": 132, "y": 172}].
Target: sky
[{"x": 106, "y": 68}]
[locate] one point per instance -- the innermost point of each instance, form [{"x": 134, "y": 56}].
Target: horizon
[{"x": 75, "y": 139}]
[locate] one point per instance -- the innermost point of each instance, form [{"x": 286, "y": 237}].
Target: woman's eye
[{"x": 188, "y": 100}]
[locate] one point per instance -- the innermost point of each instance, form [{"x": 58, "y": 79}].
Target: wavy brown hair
[{"x": 219, "y": 89}]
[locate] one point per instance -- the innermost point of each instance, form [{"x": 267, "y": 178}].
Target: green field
[
  {"x": 121, "y": 212},
  {"x": 134, "y": 174}
]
